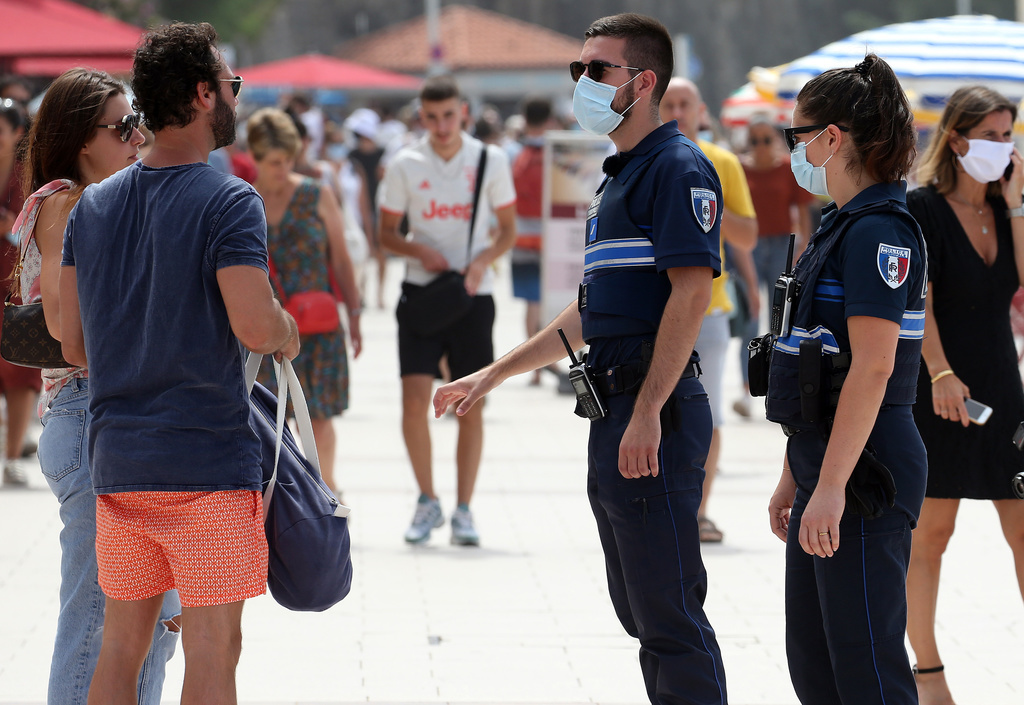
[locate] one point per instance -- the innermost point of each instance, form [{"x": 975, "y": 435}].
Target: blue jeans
[{"x": 64, "y": 458}]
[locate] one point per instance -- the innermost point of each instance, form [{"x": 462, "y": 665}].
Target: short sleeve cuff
[
  {"x": 243, "y": 260},
  {"x": 703, "y": 259},
  {"x": 874, "y": 310}
]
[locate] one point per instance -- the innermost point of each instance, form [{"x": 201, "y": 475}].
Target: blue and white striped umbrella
[{"x": 931, "y": 57}]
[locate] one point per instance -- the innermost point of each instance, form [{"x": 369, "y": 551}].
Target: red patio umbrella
[
  {"x": 316, "y": 71},
  {"x": 47, "y": 37}
]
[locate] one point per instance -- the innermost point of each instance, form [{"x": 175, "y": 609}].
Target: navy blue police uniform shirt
[
  {"x": 878, "y": 269},
  {"x": 661, "y": 210}
]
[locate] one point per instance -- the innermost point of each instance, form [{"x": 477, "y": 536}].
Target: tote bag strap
[{"x": 287, "y": 383}]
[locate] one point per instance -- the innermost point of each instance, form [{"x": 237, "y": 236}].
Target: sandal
[{"x": 709, "y": 533}]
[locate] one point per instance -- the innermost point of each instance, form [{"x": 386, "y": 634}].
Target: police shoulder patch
[
  {"x": 893, "y": 264},
  {"x": 705, "y": 207}
]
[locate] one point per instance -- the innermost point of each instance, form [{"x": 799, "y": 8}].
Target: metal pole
[
  {"x": 433, "y": 16},
  {"x": 1020, "y": 10},
  {"x": 963, "y": 7}
]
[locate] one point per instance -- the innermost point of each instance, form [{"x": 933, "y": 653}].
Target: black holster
[{"x": 870, "y": 489}]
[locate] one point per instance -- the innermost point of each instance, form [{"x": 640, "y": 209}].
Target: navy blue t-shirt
[{"x": 169, "y": 406}]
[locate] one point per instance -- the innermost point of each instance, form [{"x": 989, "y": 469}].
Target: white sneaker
[
  {"x": 14, "y": 474},
  {"x": 428, "y": 516},
  {"x": 463, "y": 531}
]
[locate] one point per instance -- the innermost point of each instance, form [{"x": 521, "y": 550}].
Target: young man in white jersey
[{"x": 432, "y": 182}]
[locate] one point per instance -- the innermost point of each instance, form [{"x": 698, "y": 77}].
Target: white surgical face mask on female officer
[
  {"x": 809, "y": 177},
  {"x": 986, "y": 160},
  {"x": 592, "y": 105}
]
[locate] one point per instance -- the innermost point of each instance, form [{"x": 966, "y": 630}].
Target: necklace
[{"x": 979, "y": 211}]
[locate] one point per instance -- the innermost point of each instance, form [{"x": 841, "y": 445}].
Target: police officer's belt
[{"x": 626, "y": 379}]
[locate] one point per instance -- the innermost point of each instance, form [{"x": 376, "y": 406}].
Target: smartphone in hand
[{"x": 977, "y": 412}]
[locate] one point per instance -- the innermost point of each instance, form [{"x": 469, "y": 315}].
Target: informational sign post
[{"x": 572, "y": 174}]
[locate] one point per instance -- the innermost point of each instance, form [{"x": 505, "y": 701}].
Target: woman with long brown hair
[
  {"x": 969, "y": 208},
  {"x": 85, "y": 131}
]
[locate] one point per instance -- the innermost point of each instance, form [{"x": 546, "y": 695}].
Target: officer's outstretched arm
[
  {"x": 541, "y": 350},
  {"x": 677, "y": 333}
]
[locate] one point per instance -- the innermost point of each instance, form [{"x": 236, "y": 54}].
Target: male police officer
[{"x": 651, "y": 253}]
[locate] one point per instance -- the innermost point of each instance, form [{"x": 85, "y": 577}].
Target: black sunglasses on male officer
[
  {"x": 791, "y": 132},
  {"x": 595, "y": 69}
]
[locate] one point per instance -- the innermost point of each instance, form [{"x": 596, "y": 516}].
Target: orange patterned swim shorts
[{"x": 211, "y": 546}]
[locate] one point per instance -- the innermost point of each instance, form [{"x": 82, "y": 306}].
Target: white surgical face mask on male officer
[
  {"x": 592, "y": 105},
  {"x": 986, "y": 160}
]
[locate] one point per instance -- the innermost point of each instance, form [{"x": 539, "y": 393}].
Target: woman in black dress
[{"x": 971, "y": 216}]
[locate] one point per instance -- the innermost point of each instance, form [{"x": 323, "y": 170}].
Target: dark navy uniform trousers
[
  {"x": 648, "y": 529},
  {"x": 846, "y": 616}
]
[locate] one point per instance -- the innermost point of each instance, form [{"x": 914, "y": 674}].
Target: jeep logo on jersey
[
  {"x": 705, "y": 207},
  {"x": 893, "y": 264},
  {"x": 443, "y": 211}
]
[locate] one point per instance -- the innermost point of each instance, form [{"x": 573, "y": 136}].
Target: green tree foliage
[
  {"x": 234, "y": 19},
  {"x": 873, "y": 13}
]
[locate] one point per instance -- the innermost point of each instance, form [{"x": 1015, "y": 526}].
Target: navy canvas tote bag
[{"x": 310, "y": 566}]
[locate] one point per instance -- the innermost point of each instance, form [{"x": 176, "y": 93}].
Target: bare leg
[
  {"x": 708, "y": 531},
  {"x": 1011, "y": 516},
  {"x": 20, "y": 406},
  {"x": 326, "y": 443},
  {"x": 211, "y": 638},
  {"x": 934, "y": 529},
  {"x": 127, "y": 635},
  {"x": 532, "y": 326},
  {"x": 382, "y": 270},
  {"x": 710, "y": 469},
  {"x": 416, "y": 391},
  {"x": 469, "y": 451}
]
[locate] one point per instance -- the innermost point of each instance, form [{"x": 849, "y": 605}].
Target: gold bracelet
[{"x": 944, "y": 373}]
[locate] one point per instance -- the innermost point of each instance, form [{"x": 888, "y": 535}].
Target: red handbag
[{"x": 314, "y": 311}]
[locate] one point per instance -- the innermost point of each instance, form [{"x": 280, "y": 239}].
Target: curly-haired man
[{"x": 166, "y": 263}]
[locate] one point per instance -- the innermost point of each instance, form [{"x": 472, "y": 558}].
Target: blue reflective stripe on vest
[
  {"x": 912, "y": 326},
  {"x": 791, "y": 343}
]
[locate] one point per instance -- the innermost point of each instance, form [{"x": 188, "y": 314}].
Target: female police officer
[{"x": 859, "y": 313}]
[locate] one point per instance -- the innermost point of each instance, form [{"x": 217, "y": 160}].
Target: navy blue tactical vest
[
  {"x": 783, "y": 403},
  {"x": 622, "y": 293}
]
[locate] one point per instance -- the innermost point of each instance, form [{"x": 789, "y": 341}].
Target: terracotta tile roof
[{"x": 470, "y": 38}]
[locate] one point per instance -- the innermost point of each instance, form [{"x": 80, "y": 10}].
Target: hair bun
[{"x": 864, "y": 67}]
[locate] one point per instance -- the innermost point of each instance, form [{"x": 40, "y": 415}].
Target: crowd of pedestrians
[{"x": 155, "y": 306}]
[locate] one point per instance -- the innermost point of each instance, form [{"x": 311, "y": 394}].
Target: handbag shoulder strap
[{"x": 476, "y": 200}]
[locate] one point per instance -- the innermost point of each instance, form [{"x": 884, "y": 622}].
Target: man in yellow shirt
[{"x": 682, "y": 102}]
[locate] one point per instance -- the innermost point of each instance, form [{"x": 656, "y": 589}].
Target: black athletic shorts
[{"x": 467, "y": 342}]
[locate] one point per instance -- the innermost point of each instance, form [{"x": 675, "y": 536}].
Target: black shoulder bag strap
[{"x": 476, "y": 201}]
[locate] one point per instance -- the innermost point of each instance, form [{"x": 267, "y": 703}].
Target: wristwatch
[{"x": 1015, "y": 212}]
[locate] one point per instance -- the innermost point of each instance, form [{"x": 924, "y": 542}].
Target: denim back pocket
[{"x": 62, "y": 441}]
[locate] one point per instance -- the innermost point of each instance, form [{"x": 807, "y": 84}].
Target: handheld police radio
[
  {"x": 784, "y": 295},
  {"x": 579, "y": 377}
]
